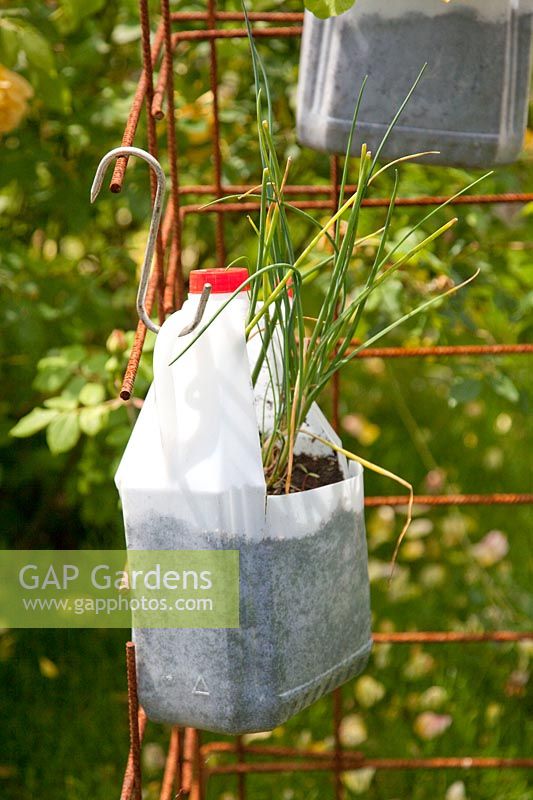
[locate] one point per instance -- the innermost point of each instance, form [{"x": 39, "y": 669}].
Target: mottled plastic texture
[
  {"x": 471, "y": 104},
  {"x": 304, "y": 616}
]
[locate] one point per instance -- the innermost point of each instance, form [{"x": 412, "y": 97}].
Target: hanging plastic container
[
  {"x": 191, "y": 478},
  {"x": 471, "y": 103}
]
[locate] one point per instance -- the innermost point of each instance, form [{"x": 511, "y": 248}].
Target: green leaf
[
  {"x": 74, "y": 387},
  {"x": 94, "y": 419},
  {"x": 504, "y": 387},
  {"x": 464, "y": 391},
  {"x": 50, "y": 380},
  {"x": 37, "y": 50},
  {"x": 51, "y": 362},
  {"x": 328, "y": 8},
  {"x": 119, "y": 436},
  {"x": 125, "y": 34},
  {"x": 75, "y": 11},
  {"x": 9, "y": 43},
  {"x": 61, "y": 403},
  {"x": 63, "y": 432},
  {"x": 51, "y": 90},
  {"x": 74, "y": 354},
  {"x": 92, "y": 394},
  {"x": 33, "y": 422}
]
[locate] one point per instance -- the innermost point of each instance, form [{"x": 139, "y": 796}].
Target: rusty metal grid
[{"x": 187, "y": 770}]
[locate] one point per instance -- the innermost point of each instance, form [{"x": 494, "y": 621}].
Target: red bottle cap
[{"x": 223, "y": 281}]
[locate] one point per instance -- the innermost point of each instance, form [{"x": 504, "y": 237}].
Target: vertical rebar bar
[
  {"x": 241, "y": 778},
  {"x": 144, "y": 15},
  {"x": 171, "y": 775},
  {"x": 129, "y": 777},
  {"x": 134, "y": 115},
  {"x": 133, "y": 716},
  {"x": 217, "y": 157},
  {"x": 198, "y": 788},
  {"x": 337, "y": 718},
  {"x": 189, "y": 747},
  {"x": 174, "y": 286}
]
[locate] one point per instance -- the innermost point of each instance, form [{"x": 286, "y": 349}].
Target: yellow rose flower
[{"x": 15, "y": 91}]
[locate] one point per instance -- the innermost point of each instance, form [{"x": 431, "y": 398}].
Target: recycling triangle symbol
[{"x": 200, "y": 687}]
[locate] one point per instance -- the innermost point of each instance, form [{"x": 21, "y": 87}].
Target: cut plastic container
[
  {"x": 471, "y": 104},
  {"x": 191, "y": 478}
]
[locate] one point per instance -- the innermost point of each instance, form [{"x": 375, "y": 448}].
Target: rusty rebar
[
  {"x": 326, "y": 190},
  {"x": 369, "y": 202},
  {"x": 220, "y": 248},
  {"x": 129, "y": 774},
  {"x": 134, "y": 115},
  {"x": 152, "y": 144},
  {"x": 198, "y": 785},
  {"x": 496, "y": 499},
  {"x": 133, "y": 718},
  {"x": 450, "y": 637},
  {"x": 236, "y": 16},
  {"x": 441, "y": 351},
  {"x": 356, "y": 761},
  {"x": 240, "y": 750},
  {"x": 138, "y": 344},
  {"x": 173, "y": 293},
  {"x": 189, "y": 755},
  {"x": 306, "y": 760},
  {"x": 337, "y": 718},
  {"x": 171, "y": 775},
  {"x": 277, "y": 751}
]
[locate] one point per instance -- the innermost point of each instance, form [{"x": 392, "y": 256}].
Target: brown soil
[{"x": 310, "y": 472}]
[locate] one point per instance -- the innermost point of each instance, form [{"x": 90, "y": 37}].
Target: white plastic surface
[{"x": 206, "y": 437}]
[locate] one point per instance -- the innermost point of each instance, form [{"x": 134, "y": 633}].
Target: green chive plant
[{"x": 312, "y": 351}]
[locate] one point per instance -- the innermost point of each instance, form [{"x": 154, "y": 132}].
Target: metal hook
[
  {"x": 204, "y": 297},
  {"x": 154, "y": 223}
]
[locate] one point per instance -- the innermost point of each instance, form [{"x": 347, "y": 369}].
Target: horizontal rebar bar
[
  {"x": 369, "y": 202},
  {"x": 351, "y": 762},
  {"x": 509, "y": 498},
  {"x": 229, "y": 748},
  {"x": 447, "y": 350},
  {"x": 376, "y": 352},
  {"x": 450, "y": 637},
  {"x": 325, "y": 189},
  {"x": 236, "y": 16}
]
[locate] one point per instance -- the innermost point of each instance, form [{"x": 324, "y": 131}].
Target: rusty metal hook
[{"x": 154, "y": 223}]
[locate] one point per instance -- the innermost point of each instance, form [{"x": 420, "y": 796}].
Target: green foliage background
[{"x": 68, "y": 274}]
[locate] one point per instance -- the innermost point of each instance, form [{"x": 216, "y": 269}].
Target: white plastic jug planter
[
  {"x": 191, "y": 478},
  {"x": 471, "y": 104}
]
